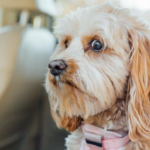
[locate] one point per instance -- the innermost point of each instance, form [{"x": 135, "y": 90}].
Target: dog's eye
[
  {"x": 66, "y": 43},
  {"x": 97, "y": 45}
]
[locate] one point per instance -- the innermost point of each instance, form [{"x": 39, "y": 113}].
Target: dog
[{"x": 98, "y": 79}]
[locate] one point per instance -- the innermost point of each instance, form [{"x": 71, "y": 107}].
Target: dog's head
[{"x": 102, "y": 53}]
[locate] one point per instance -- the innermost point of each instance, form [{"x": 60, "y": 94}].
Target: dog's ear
[{"x": 138, "y": 94}]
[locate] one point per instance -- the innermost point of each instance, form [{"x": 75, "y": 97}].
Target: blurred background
[{"x": 26, "y": 44}]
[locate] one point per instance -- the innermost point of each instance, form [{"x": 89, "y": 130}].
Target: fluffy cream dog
[{"x": 100, "y": 75}]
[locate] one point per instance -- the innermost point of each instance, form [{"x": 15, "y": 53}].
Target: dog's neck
[{"x": 111, "y": 119}]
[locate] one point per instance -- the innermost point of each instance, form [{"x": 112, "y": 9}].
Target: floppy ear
[{"x": 138, "y": 112}]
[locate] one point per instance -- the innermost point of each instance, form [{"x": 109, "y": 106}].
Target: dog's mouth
[
  {"x": 69, "y": 83},
  {"x": 62, "y": 79}
]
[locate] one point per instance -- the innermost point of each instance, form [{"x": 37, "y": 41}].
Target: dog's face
[
  {"x": 91, "y": 64},
  {"x": 94, "y": 51}
]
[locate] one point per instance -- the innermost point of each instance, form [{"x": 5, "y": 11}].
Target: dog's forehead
[{"x": 86, "y": 21}]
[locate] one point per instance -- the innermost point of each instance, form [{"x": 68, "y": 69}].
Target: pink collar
[{"x": 98, "y": 139}]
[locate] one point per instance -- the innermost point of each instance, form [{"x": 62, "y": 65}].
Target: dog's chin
[
  {"x": 74, "y": 103},
  {"x": 71, "y": 124}
]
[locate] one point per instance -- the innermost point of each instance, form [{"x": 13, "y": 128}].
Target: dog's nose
[{"x": 57, "y": 67}]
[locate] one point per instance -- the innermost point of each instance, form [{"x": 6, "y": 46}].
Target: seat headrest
[{"x": 44, "y": 6}]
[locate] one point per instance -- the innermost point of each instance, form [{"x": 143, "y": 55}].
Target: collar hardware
[{"x": 98, "y": 139}]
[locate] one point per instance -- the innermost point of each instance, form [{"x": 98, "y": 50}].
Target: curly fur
[{"x": 109, "y": 89}]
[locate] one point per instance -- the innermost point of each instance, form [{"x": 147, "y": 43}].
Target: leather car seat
[{"x": 25, "y": 122}]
